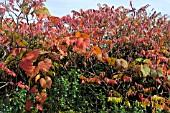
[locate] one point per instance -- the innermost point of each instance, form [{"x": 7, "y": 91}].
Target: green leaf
[
  {"x": 153, "y": 72},
  {"x": 9, "y": 58},
  {"x": 159, "y": 71},
  {"x": 138, "y": 59},
  {"x": 168, "y": 78},
  {"x": 145, "y": 70}
]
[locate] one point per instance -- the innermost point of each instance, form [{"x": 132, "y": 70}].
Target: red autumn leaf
[
  {"x": 9, "y": 72},
  {"x": 79, "y": 41},
  {"x": 2, "y": 11},
  {"x": 2, "y": 65},
  {"x": 83, "y": 81},
  {"x": 46, "y": 83},
  {"x": 32, "y": 55},
  {"x": 127, "y": 79},
  {"x": 40, "y": 107},
  {"x": 67, "y": 40},
  {"x": 82, "y": 43},
  {"x": 16, "y": 51},
  {"x": 26, "y": 65},
  {"x": 145, "y": 100},
  {"x": 34, "y": 89},
  {"x": 33, "y": 73},
  {"x": 45, "y": 65},
  {"x": 94, "y": 79},
  {"x": 11, "y": 83},
  {"x": 110, "y": 81},
  {"x": 105, "y": 57},
  {"x": 22, "y": 86},
  {"x": 28, "y": 105},
  {"x": 41, "y": 97}
]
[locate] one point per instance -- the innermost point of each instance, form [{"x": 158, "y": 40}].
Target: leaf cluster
[{"x": 92, "y": 61}]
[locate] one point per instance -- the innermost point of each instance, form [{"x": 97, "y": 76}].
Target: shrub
[{"x": 101, "y": 60}]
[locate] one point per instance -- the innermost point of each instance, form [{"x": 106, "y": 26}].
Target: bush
[{"x": 101, "y": 60}]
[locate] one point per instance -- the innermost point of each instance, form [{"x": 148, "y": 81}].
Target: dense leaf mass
[{"x": 93, "y": 61}]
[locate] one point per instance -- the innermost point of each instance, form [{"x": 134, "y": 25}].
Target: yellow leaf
[
  {"x": 115, "y": 100},
  {"x": 21, "y": 42},
  {"x": 115, "y": 76},
  {"x": 43, "y": 90},
  {"x": 127, "y": 103},
  {"x": 111, "y": 61},
  {"x": 37, "y": 78},
  {"x": 132, "y": 64}
]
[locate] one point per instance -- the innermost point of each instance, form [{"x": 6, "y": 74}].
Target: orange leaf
[
  {"x": 96, "y": 50},
  {"x": 45, "y": 65},
  {"x": 77, "y": 34},
  {"x": 162, "y": 41},
  {"x": 28, "y": 105},
  {"x": 81, "y": 35},
  {"x": 127, "y": 79},
  {"x": 54, "y": 20},
  {"x": 46, "y": 83},
  {"x": 43, "y": 83},
  {"x": 83, "y": 77}
]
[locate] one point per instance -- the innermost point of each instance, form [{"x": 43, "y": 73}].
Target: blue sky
[{"x": 64, "y": 7}]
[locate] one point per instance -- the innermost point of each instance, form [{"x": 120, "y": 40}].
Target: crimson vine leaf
[{"x": 28, "y": 105}]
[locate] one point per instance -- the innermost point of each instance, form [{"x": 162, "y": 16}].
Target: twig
[{"x": 4, "y": 85}]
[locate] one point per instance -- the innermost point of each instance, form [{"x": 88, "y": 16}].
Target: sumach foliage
[{"x": 101, "y": 60}]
